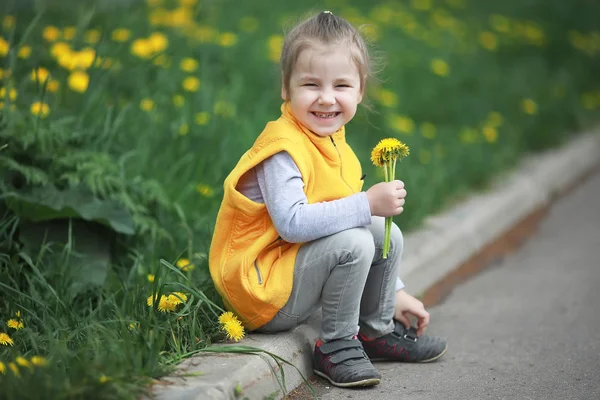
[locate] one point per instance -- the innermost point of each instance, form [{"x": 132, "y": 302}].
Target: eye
[
  {"x": 343, "y": 85},
  {"x": 309, "y": 84}
]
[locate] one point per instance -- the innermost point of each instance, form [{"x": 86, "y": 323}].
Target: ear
[{"x": 284, "y": 93}]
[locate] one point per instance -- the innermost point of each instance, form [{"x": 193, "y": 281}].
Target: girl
[{"x": 295, "y": 229}]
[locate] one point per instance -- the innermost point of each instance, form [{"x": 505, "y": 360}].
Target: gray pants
[{"x": 347, "y": 276}]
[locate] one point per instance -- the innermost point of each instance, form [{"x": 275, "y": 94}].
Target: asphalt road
[{"x": 527, "y": 327}]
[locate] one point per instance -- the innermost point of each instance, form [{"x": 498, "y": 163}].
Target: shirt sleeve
[{"x": 295, "y": 219}]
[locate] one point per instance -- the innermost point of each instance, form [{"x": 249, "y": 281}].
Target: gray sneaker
[{"x": 344, "y": 363}]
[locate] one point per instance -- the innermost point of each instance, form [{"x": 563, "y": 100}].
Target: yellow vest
[{"x": 251, "y": 266}]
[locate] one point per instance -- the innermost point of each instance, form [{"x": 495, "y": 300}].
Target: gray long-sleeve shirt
[{"x": 277, "y": 182}]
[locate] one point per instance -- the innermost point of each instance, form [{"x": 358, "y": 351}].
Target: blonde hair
[{"x": 328, "y": 29}]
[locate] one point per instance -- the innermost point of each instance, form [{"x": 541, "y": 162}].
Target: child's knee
[{"x": 358, "y": 242}]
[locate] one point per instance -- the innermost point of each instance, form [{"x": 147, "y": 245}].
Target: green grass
[{"x": 154, "y": 154}]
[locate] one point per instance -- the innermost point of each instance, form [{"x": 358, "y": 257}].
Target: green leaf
[{"x": 47, "y": 203}]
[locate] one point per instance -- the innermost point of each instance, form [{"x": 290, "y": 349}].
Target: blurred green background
[{"x": 120, "y": 120}]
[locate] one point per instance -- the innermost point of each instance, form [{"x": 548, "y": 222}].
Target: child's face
[{"x": 324, "y": 88}]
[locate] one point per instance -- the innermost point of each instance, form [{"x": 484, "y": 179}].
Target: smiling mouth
[{"x": 326, "y": 115}]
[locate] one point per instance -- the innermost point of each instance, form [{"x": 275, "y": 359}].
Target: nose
[{"x": 326, "y": 98}]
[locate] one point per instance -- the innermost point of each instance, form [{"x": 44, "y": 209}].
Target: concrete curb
[{"x": 450, "y": 246}]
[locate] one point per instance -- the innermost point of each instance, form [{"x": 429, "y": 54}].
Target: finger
[
  {"x": 402, "y": 193},
  {"x": 401, "y": 203},
  {"x": 399, "y": 210},
  {"x": 423, "y": 323},
  {"x": 399, "y": 184}
]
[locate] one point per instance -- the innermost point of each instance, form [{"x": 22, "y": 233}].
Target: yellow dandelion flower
[
  {"x": 184, "y": 264},
  {"x": 120, "y": 35},
  {"x": 69, "y": 32},
  {"x": 52, "y": 85},
  {"x": 387, "y": 98},
  {"x": 103, "y": 379},
  {"x": 22, "y": 361},
  {"x": 24, "y": 52},
  {"x": 188, "y": 64},
  {"x": 92, "y": 36},
  {"x": 248, "y": 24},
  {"x": 13, "y": 367},
  {"x": 147, "y": 104},
  {"x": 133, "y": 326},
  {"x": 85, "y": 58},
  {"x": 2, "y": 368},
  {"x": 78, "y": 81},
  {"x": 40, "y": 109},
  {"x": 165, "y": 304},
  {"x": 142, "y": 48},
  {"x": 529, "y": 106},
  {"x": 494, "y": 119},
  {"x": 387, "y": 150},
  {"x": 177, "y": 298},
  {"x": 50, "y": 33},
  {"x": 18, "y": 314},
  {"x": 440, "y": 67},
  {"x": 488, "y": 40},
  {"x": 12, "y": 93},
  {"x": 191, "y": 84},
  {"x": 402, "y": 124},
  {"x": 234, "y": 330},
  {"x": 178, "y": 100},
  {"x": 151, "y": 300},
  {"x": 202, "y": 118},
  {"x": 428, "y": 130},
  {"x": 150, "y": 277},
  {"x": 8, "y": 22},
  {"x": 183, "y": 130},
  {"x": 227, "y": 39},
  {"x": 490, "y": 133},
  {"x": 40, "y": 74},
  {"x": 275, "y": 44},
  {"x": 158, "y": 42},
  {"x": 39, "y": 361},
  {"x": 4, "y": 47},
  {"x": 60, "y": 48},
  {"x": 204, "y": 190},
  {"x": 15, "y": 324},
  {"x": 226, "y": 317}
]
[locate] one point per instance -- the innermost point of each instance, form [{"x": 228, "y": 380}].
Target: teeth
[{"x": 325, "y": 115}]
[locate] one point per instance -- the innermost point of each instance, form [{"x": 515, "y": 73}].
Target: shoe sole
[
  {"x": 420, "y": 361},
  {"x": 363, "y": 383}
]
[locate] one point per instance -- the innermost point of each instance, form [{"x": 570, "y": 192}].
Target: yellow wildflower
[
  {"x": 142, "y": 48},
  {"x": 146, "y": 104},
  {"x": 529, "y": 106},
  {"x": 494, "y": 119},
  {"x": 202, "y": 118},
  {"x": 4, "y": 47},
  {"x": 204, "y": 190},
  {"x": 184, "y": 264},
  {"x": 275, "y": 43},
  {"x": 5, "y": 339},
  {"x": 191, "y": 84},
  {"x": 22, "y": 361},
  {"x": 388, "y": 149},
  {"x": 60, "y": 48},
  {"x": 188, "y": 64},
  {"x": 158, "y": 42},
  {"x": 24, "y": 52},
  {"x": 440, "y": 67},
  {"x": 50, "y": 33},
  {"x": 234, "y": 330},
  {"x": 12, "y": 93},
  {"x": 69, "y": 32},
  {"x": 40, "y": 74},
  {"x": 387, "y": 98},
  {"x": 248, "y": 24},
  {"x": 490, "y": 133},
  {"x": 40, "y": 109},
  {"x": 52, "y": 85},
  {"x": 402, "y": 124},
  {"x": 468, "y": 135},
  {"x": 150, "y": 277},
  {"x": 85, "y": 58},
  {"x": 227, "y": 39},
  {"x": 15, "y": 324},
  {"x": 13, "y": 367},
  {"x": 79, "y": 81},
  {"x": 2, "y": 368},
  {"x": 39, "y": 361},
  {"x": 92, "y": 36},
  {"x": 178, "y": 100},
  {"x": 120, "y": 35},
  {"x": 183, "y": 130},
  {"x": 133, "y": 326},
  {"x": 226, "y": 317},
  {"x": 488, "y": 40},
  {"x": 428, "y": 130},
  {"x": 177, "y": 298},
  {"x": 103, "y": 379}
]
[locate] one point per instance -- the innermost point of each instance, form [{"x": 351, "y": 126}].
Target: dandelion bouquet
[{"x": 385, "y": 155}]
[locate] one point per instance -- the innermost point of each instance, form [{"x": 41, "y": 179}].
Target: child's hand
[
  {"x": 386, "y": 199},
  {"x": 408, "y": 305}
]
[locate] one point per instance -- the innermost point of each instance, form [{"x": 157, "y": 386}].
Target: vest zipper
[
  {"x": 340, "y": 157},
  {"x": 278, "y": 240}
]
